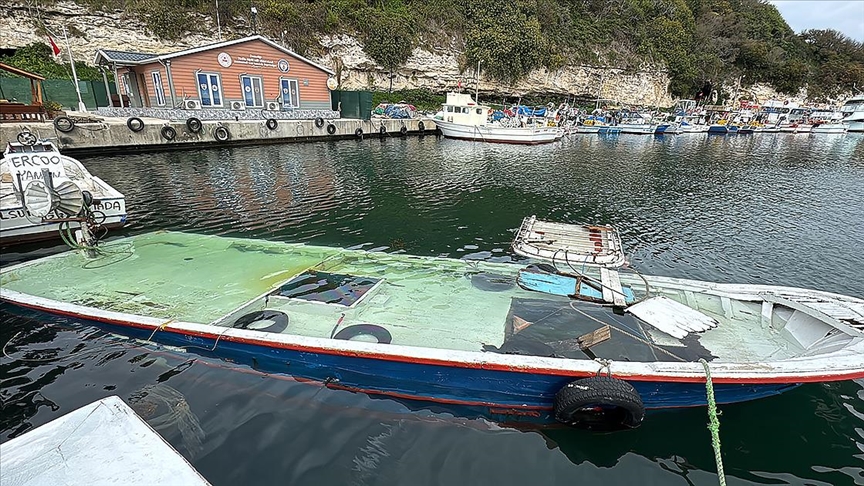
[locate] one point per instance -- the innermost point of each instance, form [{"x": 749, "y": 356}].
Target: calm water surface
[{"x": 774, "y": 209}]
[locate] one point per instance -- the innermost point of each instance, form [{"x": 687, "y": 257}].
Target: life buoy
[
  {"x": 421, "y": 126},
  {"x": 382, "y": 130},
  {"x": 331, "y": 128},
  {"x": 135, "y": 124},
  {"x": 403, "y": 130},
  {"x": 64, "y": 124},
  {"x": 715, "y": 96},
  {"x": 193, "y": 124},
  {"x": 358, "y": 133},
  {"x": 381, "y": 335},
  {"x": 221, "y": 134},
  {"x": 264, "y": 321},
  {"x": 319, "y": 122},
  {"x": 599, "y": 403},
  {"x": 168, "y": 132},
  {"x": 271, "y": 123}
]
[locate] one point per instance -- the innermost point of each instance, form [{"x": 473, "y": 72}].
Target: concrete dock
[{"x": 114, "y": 135}]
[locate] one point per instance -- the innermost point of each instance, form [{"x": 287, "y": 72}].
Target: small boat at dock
[
  {"x": 570, "y": 336},
  {"x": 43, "y": 192},
  {"x": 462, "y": 118}
]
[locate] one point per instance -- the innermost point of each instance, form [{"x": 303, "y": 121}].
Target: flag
[{"x": 54, "y": 48}]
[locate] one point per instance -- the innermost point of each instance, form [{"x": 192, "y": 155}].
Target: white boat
[
  {"x": 43, "y": 191},
  {"x": 853, "y": 113},
  {"x": 463, "y": 119},
  {"x": 829, "y": 128},
  {"x": 104, "y": 442},
  {"x": 638, "y": 124}
]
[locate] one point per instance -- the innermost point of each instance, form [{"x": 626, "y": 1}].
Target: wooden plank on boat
[
  {"x": 612, "y": 291},
  {"x": 672, "y": 317},
  {"x": 596, "y": 336},
  {"x": 813, "y": 312},
  {"x": 104, "y": 442}
]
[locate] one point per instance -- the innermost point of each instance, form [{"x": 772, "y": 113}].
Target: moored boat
[
  {"x": 524, "y": 343},
  {"x": 853, "y": 113},
  {"x": 463, "y": 119},
  {"x": 43, "y": 192}
]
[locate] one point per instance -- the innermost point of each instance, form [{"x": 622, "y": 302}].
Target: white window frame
[
  {"x": 297, "y": 85},
  {"x": 252, "y": 79},
  {"x": 218, "y": 82},
  {"x": 158, "y": 87}
]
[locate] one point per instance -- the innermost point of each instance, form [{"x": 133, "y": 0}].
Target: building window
[
  {"x": 253, "y": 91},
  {"x": 210, "y": 89},
  {"x": 479, "y": 111},
  {"x": 157, "y": 87},
  {"x": 290, "y": 93}
]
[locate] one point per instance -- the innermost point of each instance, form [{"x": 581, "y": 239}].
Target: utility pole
[
  {"x": 81, "y": 105},
  {"x": 218, "y": 22},
  {"x": 254, "y": 15},
  {"x": 477, "y": 85}
]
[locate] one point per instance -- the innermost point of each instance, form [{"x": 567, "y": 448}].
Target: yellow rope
[{"x": 714, "y": 423}]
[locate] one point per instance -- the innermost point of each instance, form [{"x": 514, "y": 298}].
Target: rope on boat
[{"x": 714, "y": 423}]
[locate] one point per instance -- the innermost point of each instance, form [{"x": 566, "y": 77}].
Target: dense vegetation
[
  {"x": 36, "y": 58},
  {"x": 727, "y": 41}
]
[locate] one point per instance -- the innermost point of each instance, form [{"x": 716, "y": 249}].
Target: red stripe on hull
[{"x": 457, "y": 364}]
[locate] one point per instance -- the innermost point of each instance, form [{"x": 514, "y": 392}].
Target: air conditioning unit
[
  {"x": 192, "y": 104},
  {"x": 238, "y": 105},
  {"x": 273, "y": 106}
]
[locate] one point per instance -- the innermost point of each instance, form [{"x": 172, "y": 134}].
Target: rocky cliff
[{"x": 428, "y": 67}]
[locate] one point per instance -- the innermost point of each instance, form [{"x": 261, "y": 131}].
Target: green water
[{"x": 773, "y": 209}]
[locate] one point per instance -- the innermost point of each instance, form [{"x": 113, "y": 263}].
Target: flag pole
[{"x": 81, "y": 105}]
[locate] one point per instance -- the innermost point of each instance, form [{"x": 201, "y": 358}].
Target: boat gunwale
[{"x": 842, "y": 362}]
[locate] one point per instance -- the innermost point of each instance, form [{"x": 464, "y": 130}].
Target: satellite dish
[{"x": 38, "y": 200}]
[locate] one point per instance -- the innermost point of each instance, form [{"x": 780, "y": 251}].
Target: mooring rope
[{"x": 714, "y": 423}]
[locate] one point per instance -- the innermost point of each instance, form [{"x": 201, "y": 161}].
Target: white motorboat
[
  {"x": 463, "y": 119},
  {"x": 43, "y": 192},
  {"x": 853, "y": 113},
  {"x": 829, "y": 128}
]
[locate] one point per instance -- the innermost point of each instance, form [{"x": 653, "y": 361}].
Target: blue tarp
[
  {"x": 528, "y": 111},
  {"x": 497, "y": 115},
  {"x": 394, "y": 111}
]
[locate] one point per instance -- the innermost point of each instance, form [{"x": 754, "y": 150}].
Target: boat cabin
[{"x": 460, "y": 108}]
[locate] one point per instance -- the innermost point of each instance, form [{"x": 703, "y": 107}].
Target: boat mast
[{"x": 477, "y": 85}]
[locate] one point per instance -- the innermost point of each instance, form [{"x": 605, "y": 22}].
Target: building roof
[
  {"x": 142, "y": 58},
  {"x": 122, "y": 56},
  {"x": 20, "y": 72}
]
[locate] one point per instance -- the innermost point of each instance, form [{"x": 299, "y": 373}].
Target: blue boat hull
[{"x": 495, "y": 394}]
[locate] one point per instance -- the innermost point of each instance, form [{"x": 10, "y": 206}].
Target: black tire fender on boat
[
  {"x": 168, "y": 132},
  {"x": 331, "y": 129},
  {"x": 135, "y": 124},
  {"x": 272, "y": 123},
  {"x": 382, "y": 335},
  {"x": 64, "y": 124},
  {"x": 221, "y": 134},
  {"x": 358, "y": 133},
  {"x": 599, "y": 403},
  {"x": 193, "y": 124},
  {"x": 278, "y": 320},
  {"x": 319, "y": 122}
]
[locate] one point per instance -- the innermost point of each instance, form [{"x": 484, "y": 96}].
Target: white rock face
[{"x": 428, "y": 67}]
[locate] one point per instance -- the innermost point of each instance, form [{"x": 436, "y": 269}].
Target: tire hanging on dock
[
  {"x": 421, "y": 126},
  {"x": 64, "y": 124},
  {"x": 358, "y": 133},
  {"x": 193, "y": 124},
  {"x": 599, "y": 403},
  {"x": 168, "y": 132},
  {"x": 272, "y": 123},
  {"x": 221, "y": 134},
  {"x": 403, "y": 130},
  {"x": 319, "y": 122},
  {"x": 382, "y": 130},
  {"x": 331, "y": 129},
  {"x": 264, "y": 321},
  {"x": 135, "y": 124}
]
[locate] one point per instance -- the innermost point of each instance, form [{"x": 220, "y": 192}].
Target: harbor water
[{"x": 776, "y": 209}]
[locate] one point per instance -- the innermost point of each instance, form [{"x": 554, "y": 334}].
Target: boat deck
[{"x": 418, "y": 301}]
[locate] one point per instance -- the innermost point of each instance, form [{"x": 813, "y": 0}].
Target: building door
[
  {"x": 290, "y": 93},
  {"x": 158, "y": 88},
  {"x": 142, "y": 90},
  {"x": 253, "y": 91},
  {"x": 210, "y": 89}
]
